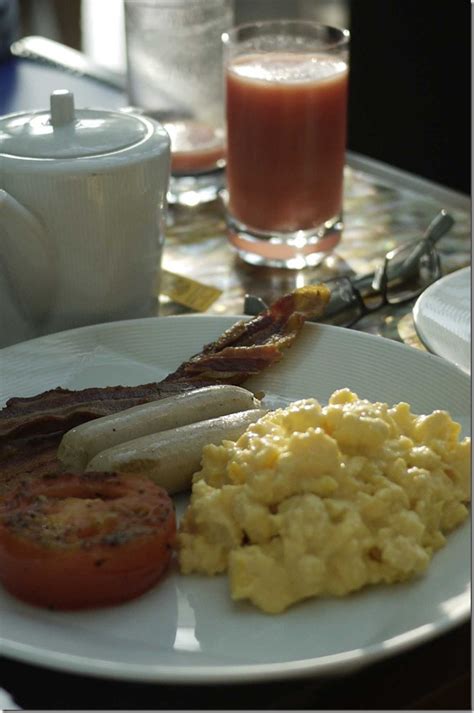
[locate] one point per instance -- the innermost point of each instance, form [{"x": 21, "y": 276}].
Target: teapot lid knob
[{"x": 62, "y": 107}]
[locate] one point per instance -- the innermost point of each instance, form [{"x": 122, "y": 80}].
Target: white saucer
[{"x": 442, "y": 316}]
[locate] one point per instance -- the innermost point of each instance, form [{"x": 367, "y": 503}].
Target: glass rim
[{"x": 230, "y": 36}]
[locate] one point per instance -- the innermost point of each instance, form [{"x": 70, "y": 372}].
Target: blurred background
[{"x": 410, "y": 88}]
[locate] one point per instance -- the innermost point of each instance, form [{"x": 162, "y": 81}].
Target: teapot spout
[{"x": 25, "y": 255}]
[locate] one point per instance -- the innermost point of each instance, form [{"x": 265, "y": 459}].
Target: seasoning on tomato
[{"x": 70, "y": 541}]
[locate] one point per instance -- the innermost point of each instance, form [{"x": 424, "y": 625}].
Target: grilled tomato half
[{"x": 70, "y": 541}]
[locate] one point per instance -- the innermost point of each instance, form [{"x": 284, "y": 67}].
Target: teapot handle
[{"x": 25, "y": 253}]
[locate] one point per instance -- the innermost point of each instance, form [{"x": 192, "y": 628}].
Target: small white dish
[
  {"x": 442, "y": 316},
  {"x": 187, "y": 629}
]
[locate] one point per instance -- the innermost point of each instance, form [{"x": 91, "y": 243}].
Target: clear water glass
[{"x": 175, "y": 74}]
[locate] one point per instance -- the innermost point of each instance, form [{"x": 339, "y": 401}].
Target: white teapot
[{"x": 82, "y": 210}]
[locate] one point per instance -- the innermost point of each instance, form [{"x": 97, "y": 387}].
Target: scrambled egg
[{"x": 316, "y": 500}]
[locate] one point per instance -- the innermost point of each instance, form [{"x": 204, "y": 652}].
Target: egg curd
[{"x": 323, "y": 500}]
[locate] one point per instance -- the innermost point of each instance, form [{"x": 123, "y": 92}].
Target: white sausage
[
  {"x": 170, "y": 458},
  {"x": 79, "y": 445}
]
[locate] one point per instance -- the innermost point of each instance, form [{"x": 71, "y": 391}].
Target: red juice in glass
[
  {"x": 286, "y": 118},
  {"x": 286, "y": 113}
]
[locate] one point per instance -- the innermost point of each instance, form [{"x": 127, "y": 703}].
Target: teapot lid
[{"x": 66, "y": 132}]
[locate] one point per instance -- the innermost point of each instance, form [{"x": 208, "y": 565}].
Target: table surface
[{"x": 382, "y": 208}]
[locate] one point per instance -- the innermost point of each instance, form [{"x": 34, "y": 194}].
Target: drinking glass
[
  {"x": 286, "y": 107},
  {"x": 174, "y": 59}
]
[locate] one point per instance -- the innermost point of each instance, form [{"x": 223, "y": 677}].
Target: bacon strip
[
  {"x": 58, "y": 410},
  {"x": 245, "y": 349},
  {"x": 248, "y": 347}
]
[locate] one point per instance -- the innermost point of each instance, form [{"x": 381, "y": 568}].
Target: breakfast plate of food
[
  {"x": 186, "y": 499},
  {"x": 442, "y": 316}
]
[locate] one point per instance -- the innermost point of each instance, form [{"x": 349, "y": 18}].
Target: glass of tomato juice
[{"x": 286, "y": 113}]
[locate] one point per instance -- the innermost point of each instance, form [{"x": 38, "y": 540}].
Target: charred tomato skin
[{"x": 73, "y": 541}]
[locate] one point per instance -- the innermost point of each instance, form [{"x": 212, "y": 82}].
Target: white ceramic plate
[
  {"x": 442, "y": 316},
  {"x": 187, "y": 629}
]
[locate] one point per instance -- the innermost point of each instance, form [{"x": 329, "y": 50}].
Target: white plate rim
[
  {"x": 331, "y": 664},
  {"x": 420, "y": 329}
]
